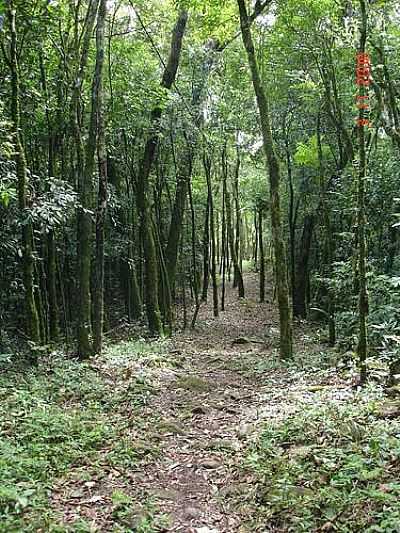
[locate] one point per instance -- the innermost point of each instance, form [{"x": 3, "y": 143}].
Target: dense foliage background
[{"x": 143, "y": 170}]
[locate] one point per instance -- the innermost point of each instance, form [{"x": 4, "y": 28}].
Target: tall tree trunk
[
  {"x": 175, "y": 229},
  {"x": 98, "y": 291},
  {"x": 285, "y": 319},
  {"x": 143, "y": 184},
  {"x": 262, "y": 255},
  {"x": 196, "y": 280},
  {"x": 229, "y": 227},
  {"x": 329, "y": 245},
  {"x": 223, "y": 248},
  {"x": 292, "y": 222},
  {"x": 362, "y": 348},
  {"x": 206, "y": 251},
  {"x": 302, "y": 265},
  {"x": 207, "y": 167},
  {"x": 238, "y": 221},
  {"x": 51, "y": 266},
  {"x": 256, "y": 242},
  {"x": 85, "y": 168},
  {"x": 51, "y": 272},
  {"x": 32, "y": 324}
]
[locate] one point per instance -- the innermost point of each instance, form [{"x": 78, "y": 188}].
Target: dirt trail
[
  {"x": 210, "y": 407},
  {"x": 182, "y": 449}
]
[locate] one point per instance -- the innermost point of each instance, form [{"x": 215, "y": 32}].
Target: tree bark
[
  {"x": 362, "y": 348},
  {"x": 32, "y": 325},
  {"x": 98, "y": 291},
  {"x": 302, "y": 274},
  {"x": 237, "y": 276},
  {"x": 206, "y": 252},
  {"x": 51, "y": 265},
  {"x": 285, "y": 319},
  {"x": 207, "y": 167},
  {"x": 262, "y": 255},
  {"x": 143, "y": 184},
  {"x": 85, "y": 168}
]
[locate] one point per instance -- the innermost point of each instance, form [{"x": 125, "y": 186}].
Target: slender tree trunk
[
  {"x": 51, "y": 266},
  {"x": 286, "y": 348},
  {"x": 207, "y": 167},
  {"x": 238, "y": 220},
  {"x": 262, "y": 255},
  {"x": 223, "y": 248},
  {"x": 231, "y": 238},
  {"x": 362, "y": 348},
  {"x": 292, "y": 224},
  {"x": 98, "y": 292},
  {"x": 85, "y": 168},
  {"x": 206, "y": 251},
  {"x": 52, "y": 286},
  {"x": 256, "y": 241},
  {"x": 32, "y": 324},
  {"x": 329, "y": 246},
  {"x": 196, "y": 280},
  {"x": 302, "y": 266},
  {"x": 175, "y": 229}
]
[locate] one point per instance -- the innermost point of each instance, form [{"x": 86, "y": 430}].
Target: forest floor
[{"x": 205, "y": 433}]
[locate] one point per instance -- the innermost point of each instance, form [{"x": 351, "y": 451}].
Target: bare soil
[{"x": 224, "y": 382}]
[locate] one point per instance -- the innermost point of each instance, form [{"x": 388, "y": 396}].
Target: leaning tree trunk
[
  {"x": 185, "y": 166},
  {"x": 143, "y": 184},
  {"x": 285, "y": 319},
  {"x": 98, "y": 291},
  {"x": 32, "y": 324}
]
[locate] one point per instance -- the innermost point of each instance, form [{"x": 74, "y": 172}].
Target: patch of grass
[
  {"x": 152, "y": 520},
  {"x": 332, "y": 467},
  {"x": 147, "y": 519},
  {"x": 60, "y": 416},
  {"x": 193, "y": 383},
  {"x": 127, "y": 453},
  {"x": 149, "y": 354}
]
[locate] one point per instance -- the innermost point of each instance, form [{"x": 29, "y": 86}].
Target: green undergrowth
[
  {"x": 334, "y": 465},
  {"x": 60, "y": 416}
]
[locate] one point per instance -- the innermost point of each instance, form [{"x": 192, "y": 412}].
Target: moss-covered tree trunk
[
  {"x": 32, "y": 324},
  {"x": 362, "y": 348},
  {"x": 98, "y": 289},
  {"x": 262, "y": 255},
  {"x": 281, "y": 269},
  {"x": 143, "y": 184},
  {"x": 51, "y": 264},
  {"x": 85, "y": 164}
]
